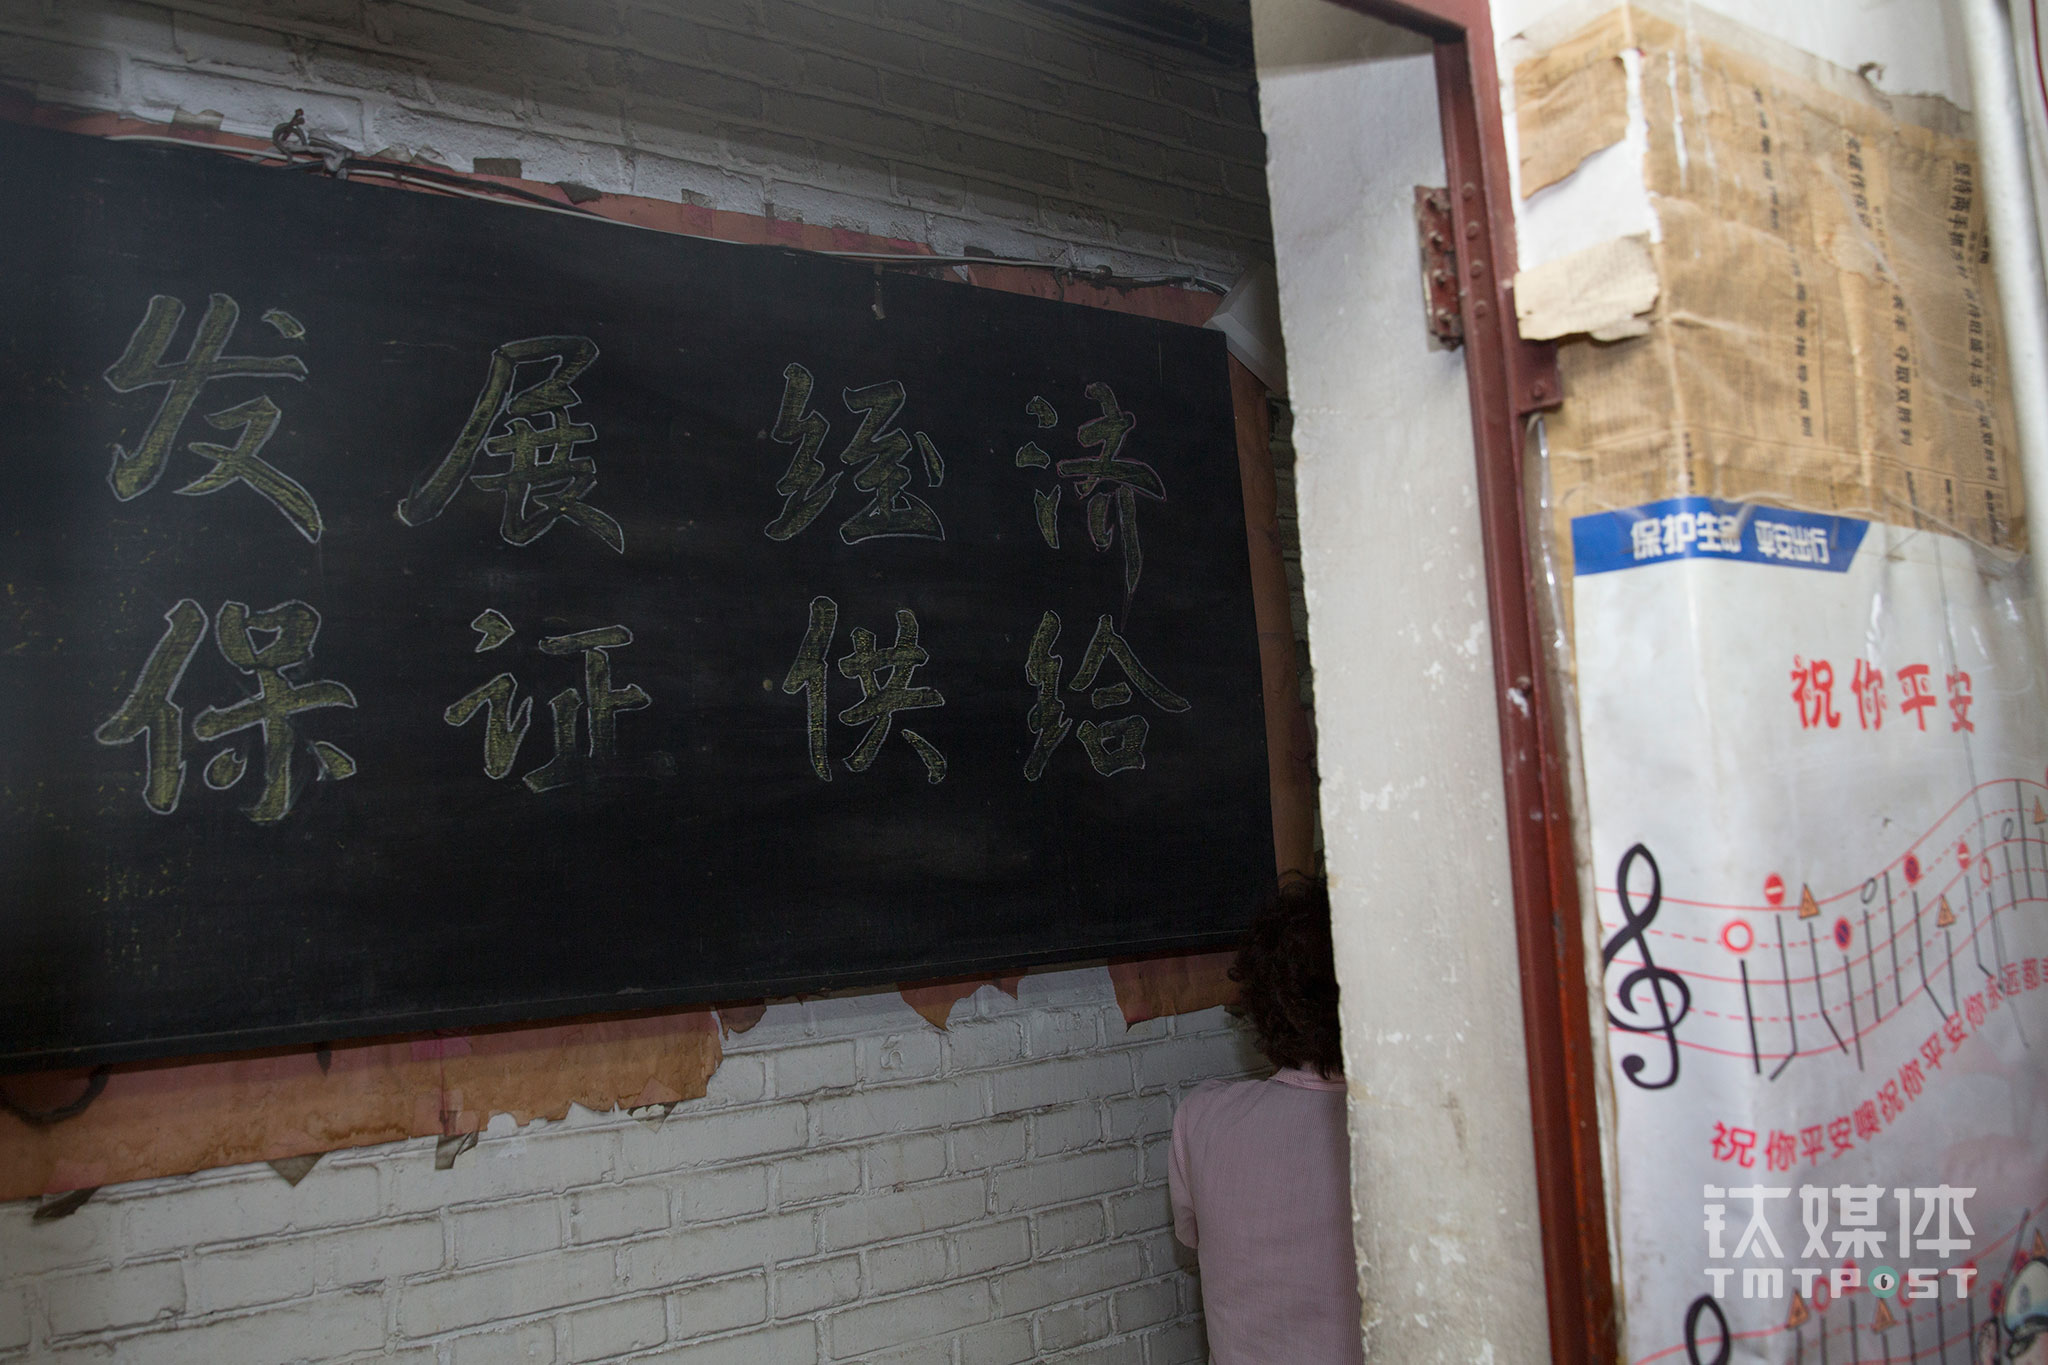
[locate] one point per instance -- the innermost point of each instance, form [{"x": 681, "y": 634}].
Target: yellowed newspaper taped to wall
[{"x": 1826, "y": 329}]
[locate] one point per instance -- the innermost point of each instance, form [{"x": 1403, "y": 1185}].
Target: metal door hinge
[{"x": 1440, "y": 299}]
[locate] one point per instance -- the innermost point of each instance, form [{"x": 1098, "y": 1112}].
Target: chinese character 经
[
  {"x": 885, "y": 676},
  {"x": 543, "y": 479},
  {"x": 877, "y": 446},
  {"x": 507, "y": 715},
  {"x": 142, "y": 366}
]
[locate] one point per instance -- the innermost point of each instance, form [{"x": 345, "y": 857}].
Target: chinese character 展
[
  {"x": 152, "y": 714},
  {"x": 507, "y": 715},
  {"x": 1108, "y": 484},
  {"x": 543, "y": 479},
  {"x": 877, "y": 446},
  {"x": 885, "y": 676},
  {"x": 142, "y": 366},
  {"x": 1114, "y": 745}
]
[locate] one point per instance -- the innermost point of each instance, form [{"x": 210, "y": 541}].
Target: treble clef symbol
[{"x": 1657, "y": 978}]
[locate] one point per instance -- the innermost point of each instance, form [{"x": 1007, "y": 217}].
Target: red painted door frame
[{"x": 1509, "y": 379}]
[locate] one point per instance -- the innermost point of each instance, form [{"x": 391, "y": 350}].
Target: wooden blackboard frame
[{"x": 701, "y": 992}]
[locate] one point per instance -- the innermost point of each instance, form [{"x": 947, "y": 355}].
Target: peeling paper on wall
[
  {"x": 158, "y": 1120},
  {"x": 1571, "y": 103},
  {"x": 1152, "y": 987},
  {"x": 1826, "y": 316},
  {"x": 1599, "y": 292}
]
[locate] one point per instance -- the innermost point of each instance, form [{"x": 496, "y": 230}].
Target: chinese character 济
[{"x": 1105, "y": 484}]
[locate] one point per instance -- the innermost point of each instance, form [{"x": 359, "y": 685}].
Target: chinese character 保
[
  {"x": 876, "y": 445},
  {"x": 142, "y": 366},
  {"x": 1108, "y": 482},
  {"x": 507, "y": 715},
  {"x": 543, "y": 479},
  {"x": 885, "y": 676},
  {"x": 1114, "y": 745},
  {"x": 151, "y": 713}
]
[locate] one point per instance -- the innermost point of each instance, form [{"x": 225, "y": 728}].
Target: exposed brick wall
[
  {"x": 855, "y": 1186},
  {"x": 961, "y": 123}
]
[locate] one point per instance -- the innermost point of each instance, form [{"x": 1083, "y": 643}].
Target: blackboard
[{"x": 422, "y": 612}]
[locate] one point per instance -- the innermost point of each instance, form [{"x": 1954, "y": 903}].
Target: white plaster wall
[{"x": 1443, "y": 1182}]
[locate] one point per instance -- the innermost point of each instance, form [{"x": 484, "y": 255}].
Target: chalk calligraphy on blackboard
[
  {"x": 543, "y": 479},
  {"x": 1106, "y": 485},
  {"x": 507, "y": 715},
  {"x": 877, "y": 445},
  {"x": 142, "y": 366},
  {"x": 885, "y": 676},
  {"x": 1113, "y": 745},
  {"x": 152, "y": 714}
]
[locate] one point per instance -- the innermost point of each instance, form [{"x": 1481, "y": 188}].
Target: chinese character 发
[
  {"x": 142, "y": 366},
  {"x": 152, "y": 715},
  {"x": 543, "y": 479},
  {"x": 1107, "y": 483},
  {"x": 1114, "y": 745},
  {"x": 885, "y": 676},
  {"x": 507, "y": 714},
  {"x": 877, "y": 446},
  {"x": 1813, "y": 692}
]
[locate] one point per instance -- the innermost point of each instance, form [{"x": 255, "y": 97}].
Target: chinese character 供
[
  {"x": 507, "y": 715},
  {"x": 1106, "y": 485},
  {"x": 142, "y": 366},
  {"x": 151, "y": 713},
  {"x": 1113, "y": 746},
  {"x": 877, "y": 445},
  {"x": 885, "y": 675},
  {"x": 1813, "y": 692},
  {"x": 543, "y": 479}
]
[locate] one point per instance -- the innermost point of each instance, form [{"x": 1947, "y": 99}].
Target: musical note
[
  {"x": 1701, "y": 1307},
  {"x": 1657, "y": 978}
]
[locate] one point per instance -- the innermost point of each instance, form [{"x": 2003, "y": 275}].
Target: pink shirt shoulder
[{"x": 1261, "y": 1185}]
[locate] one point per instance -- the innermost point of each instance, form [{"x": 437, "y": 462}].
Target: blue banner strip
[{"x": 1709, "y": 528}]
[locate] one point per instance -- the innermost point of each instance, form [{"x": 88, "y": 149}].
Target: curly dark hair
[{"x": 1287, "y": 978}]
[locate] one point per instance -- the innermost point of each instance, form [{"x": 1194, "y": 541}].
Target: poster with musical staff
[{"x": 1816, "y": 761}]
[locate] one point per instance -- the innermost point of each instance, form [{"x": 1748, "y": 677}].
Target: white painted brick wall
[
  {"x": 999, "y": 1205},
  {"x": 856, "y": 1185},
  {"x": 961, "y": 123}
]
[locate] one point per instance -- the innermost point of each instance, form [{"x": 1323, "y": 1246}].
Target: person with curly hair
[{"x": 1260, "y": 1170}]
